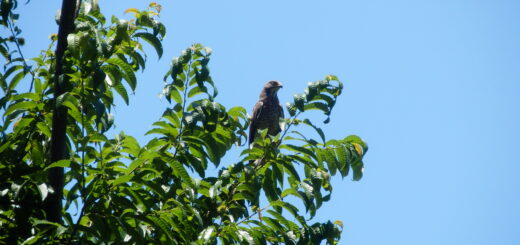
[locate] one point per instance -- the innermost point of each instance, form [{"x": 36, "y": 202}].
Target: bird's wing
[{"x": 257, "y": 110}]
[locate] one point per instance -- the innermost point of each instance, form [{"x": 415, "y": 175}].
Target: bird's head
[{"x": 271, "y": 87}]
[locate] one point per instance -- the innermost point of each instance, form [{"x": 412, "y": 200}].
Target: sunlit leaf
[
  {"x": 42, "y": 188},
  {"x": 206, "y": 234},
  {"x": 60, "y": 164},
  {"x": 122, "y": 179},
  {"x": 24, "y": 106}
]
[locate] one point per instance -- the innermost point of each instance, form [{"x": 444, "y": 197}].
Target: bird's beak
[{"x": 281, "y": 85}]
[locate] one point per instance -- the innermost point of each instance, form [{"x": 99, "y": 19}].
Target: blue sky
[{"x": 432, "y": 86}]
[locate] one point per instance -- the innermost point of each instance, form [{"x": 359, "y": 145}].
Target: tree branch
[{"x": 52, "y": 204}]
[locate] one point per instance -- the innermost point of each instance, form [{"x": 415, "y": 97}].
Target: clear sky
[{"x": 432, "y": 86}]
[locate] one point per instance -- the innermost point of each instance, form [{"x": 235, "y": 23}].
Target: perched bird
[{"x": 267, "y": 111}]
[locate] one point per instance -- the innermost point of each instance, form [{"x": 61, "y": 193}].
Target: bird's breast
[{"x": 269, "y": 117}]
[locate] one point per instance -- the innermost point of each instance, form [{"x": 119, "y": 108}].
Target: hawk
[{"x": 267, "y": 111}]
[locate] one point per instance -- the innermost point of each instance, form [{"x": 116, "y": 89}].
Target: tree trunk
[{"x": 52, "y": 204}]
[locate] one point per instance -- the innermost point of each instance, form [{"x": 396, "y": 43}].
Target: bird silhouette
[{"x": 266, "y": 112}]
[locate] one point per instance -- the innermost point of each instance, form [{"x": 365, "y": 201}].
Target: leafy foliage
[{"x": 158, "y": 192}]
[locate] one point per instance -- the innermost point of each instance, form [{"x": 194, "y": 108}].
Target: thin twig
[
  {"x": 257, "y": 211},
  {"x": 263, "y": 162},
  {"x": 26, "y": 67},
  {"x": 83, "y": 146},
  {"x": 185, "y": 94},
  {"x": 279, "y": 142}
]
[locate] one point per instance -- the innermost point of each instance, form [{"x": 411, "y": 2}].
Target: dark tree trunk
[{"x": 52, "y": 204}]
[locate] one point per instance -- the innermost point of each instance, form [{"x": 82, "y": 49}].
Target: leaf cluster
[{"x": 160, "y": 192}]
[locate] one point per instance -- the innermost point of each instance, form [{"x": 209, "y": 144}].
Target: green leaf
[
  {"x": 121, "y": 90},
  {"x": 237, "y": 112},
  {"x": 113, "y": 74},
  {"x": 158, "y": 222},
  {"x": 3, "y": 83},
  {"x": 294, "y": 211},
  {"x": 42, "y": 188},
  {"x": 317, "y": 106},
  {"x": 62, "y": 98},
  {"x": 274, "y": 224},
  {"x": 300, "y": 149},
  {"x": 244, "y": 236},
  {"x": 288, "y": 224},
  {"x": 318, "y": 130},
  {"x": 73, "y": 43},
  {"x": 214, "y": 190},
  {"x": 45, "y": 222},
  {"x": 122, "y": 179},
  {"x": 31, "y": 240},
  {"x": 330, "y": 100},
  {"x": 157, "y": 131},
  {"x": 288, "y": 166},
  {"x": 291, "y": 108},
  {"x": 131, "y": 146},
  {"x": 206, "y": 234},
  {"x": 96, "y": 137},
  {"x": 135, "y": 164},
  {"x": 22, "y": 125},
  {"x": 320, "y": 154},
  {"x": 175, "y": 95},
  {"x": 309, "y": 190},
  {"x": 303, "y": 159},
  {"x": 358, "y": 140},
  {"x": 128, "y": 71},
  {"x": 59, "y": 164},
  {"x": 179, "y": 170},
  {"x": 172, "y": 117},
  {"x": 330, "y": 157},
  {"x": 12, "y": 69},
  {"x": 342, "y": 156},
  {"x": 152, "y": 40},
  {"x": 24, "y": 106},
  {"x": 299, "y": 101},
  {"x": 269, "y": 186},
  {"x": 331, "y": 77},
  {"x": 197, "y": 90},
  {"x": 30, "y": 96},
  {"x": 357, "y": 169},
  {"x": 16, "y": 79}
]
